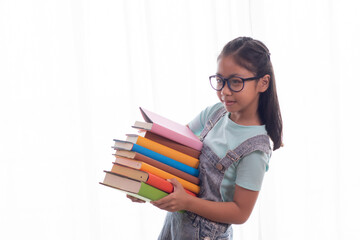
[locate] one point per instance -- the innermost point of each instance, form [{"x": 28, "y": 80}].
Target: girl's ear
[{"x": 264, "y": 83}]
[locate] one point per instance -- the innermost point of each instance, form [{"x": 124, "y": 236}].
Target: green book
[{"x": 133, "y": 187}]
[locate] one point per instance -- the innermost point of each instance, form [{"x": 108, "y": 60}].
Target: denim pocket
[
  {"x": 214, "y": 231},
  {"x": 205, "y": 230}
]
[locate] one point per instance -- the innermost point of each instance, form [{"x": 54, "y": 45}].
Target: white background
[{"x": 73, "y": 74}]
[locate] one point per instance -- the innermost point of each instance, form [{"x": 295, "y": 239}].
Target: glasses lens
[
  {"x": 216, "y": 82},
  {"x": 236, "y": 84}
]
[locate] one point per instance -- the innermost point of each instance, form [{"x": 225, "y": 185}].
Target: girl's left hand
[
  {"x": 175, "y": 201},
  {"x": 134, "y": 199}
]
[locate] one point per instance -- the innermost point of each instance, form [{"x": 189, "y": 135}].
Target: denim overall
[{"x": 188, "y": 225}]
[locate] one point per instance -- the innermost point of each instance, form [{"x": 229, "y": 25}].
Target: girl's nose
[{"x": 226, "y": 90}]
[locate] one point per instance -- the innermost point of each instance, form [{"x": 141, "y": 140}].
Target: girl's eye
[
  {"x": 235, "y": 81},
  {"x": 218, "y": 80}
]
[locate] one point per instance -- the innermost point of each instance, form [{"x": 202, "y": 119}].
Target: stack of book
[{"x": 162, "y": 150}]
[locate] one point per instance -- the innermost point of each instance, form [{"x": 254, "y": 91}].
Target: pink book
[{"x": 168, "y": 129}]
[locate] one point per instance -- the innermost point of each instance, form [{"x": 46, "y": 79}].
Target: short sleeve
[
  {"x": 251, "y": 169},
  {"x": 198, "y": 123}
]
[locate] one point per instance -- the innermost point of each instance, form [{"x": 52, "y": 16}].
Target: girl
[{"x": 236, "y": 151}]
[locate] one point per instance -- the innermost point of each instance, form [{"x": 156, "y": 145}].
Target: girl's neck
[{"x": 241, "y": 119}]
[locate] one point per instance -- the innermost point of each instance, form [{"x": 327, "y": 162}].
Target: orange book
[
  {"x": 163, "y": 150},
  {"x": 172, "y": 144},
  {"x": 155, "y": 171},
  {"x": 157, "y": 164}
]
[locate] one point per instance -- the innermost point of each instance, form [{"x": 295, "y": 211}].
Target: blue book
[{"x": 126, "y": 145}]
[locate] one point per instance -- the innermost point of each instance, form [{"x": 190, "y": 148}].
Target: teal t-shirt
[{"x": 226, "y": 135}]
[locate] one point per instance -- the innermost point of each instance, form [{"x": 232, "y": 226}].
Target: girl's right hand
[
  {"x": 134, "y": 199},
  {"x": 175, "y": 201}
]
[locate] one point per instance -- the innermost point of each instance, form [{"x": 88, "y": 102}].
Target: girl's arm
[{"x": 236, "y": 212}]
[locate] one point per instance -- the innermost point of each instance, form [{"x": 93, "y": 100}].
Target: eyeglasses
[{"x": 235, "y": 83}]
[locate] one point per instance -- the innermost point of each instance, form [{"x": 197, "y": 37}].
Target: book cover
[
  {"x": 129, "y": 172},
  {"x": 172, "y": 144},
  {"x": 125, "y": 145},
  {"x": 133, "y": 187},
  {"x": 169, "y": 129},
  {"x": 157, "y": 164},
  {"x": 157, "y": 172},
  {"x": 163, "y": 150}
]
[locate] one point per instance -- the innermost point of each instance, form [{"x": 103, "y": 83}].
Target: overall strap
[
  {"x": 212, "y": 121},
  {"x": 256, "y": 143}
]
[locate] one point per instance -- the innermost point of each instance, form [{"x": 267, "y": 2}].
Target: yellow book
[{"x": 163, "y": 150}]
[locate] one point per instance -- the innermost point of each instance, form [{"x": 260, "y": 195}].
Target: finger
[
  {"x": 164, "y": 205},
  {"x": 169, "y": 206},
  {"x": 177, "y": 185}
]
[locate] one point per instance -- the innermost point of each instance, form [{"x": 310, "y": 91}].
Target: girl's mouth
[{"x": 229, "y": 103}]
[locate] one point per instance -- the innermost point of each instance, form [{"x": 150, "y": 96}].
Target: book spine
[
  {"x": 168, "y": 152},
  {"x": 165, "y": 160},
  {"x": 150, "y": 192},
  {"x": 163, "y": 185},
  {"x": 177, "y": 137},
  {"x": 159, "y": 183},
  {"x": 167, "y": 168},
  {"x": 165, "y": 175}
]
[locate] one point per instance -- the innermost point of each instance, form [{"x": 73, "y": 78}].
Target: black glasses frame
[{"x": 227, "y": 81}]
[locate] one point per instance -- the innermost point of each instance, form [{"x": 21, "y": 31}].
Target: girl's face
[{"x": 242, "y": 105}]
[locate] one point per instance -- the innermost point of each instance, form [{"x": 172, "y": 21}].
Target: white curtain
[{"x": 73, "y": 74}]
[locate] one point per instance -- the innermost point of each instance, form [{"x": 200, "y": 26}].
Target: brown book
[
  {"x": 157, "y": 164},
  {"x": 172, "y": 144}
]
